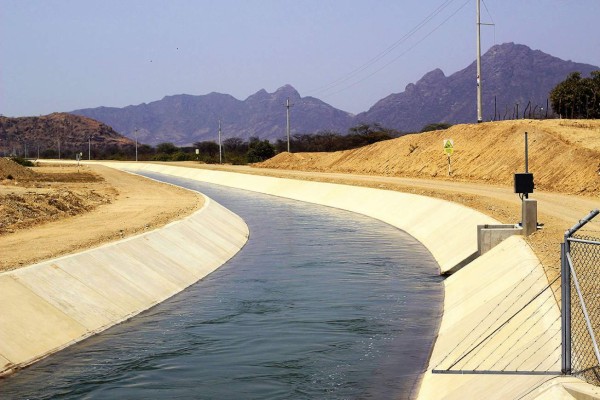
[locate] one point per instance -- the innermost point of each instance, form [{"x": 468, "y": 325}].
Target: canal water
[{"x": 319, "y": 304}]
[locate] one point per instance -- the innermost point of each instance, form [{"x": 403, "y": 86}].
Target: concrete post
[{"x": 529, "y": 216}]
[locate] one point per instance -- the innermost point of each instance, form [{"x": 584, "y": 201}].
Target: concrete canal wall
[
  {"x": 447, "y": 229},
  {"x": 48, "y": 306},
  {"x": 499, "y": 320}
]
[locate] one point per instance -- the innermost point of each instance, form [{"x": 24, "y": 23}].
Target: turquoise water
[{"x": 320, "y": 304}]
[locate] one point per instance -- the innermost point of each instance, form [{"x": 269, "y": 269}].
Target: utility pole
[
  {"x": 220, "y": 148},
  {"x": 59, "y": 148},
  {"x": 287, "y": 106},
  {"x": 89, "y": 147},
  {"x": 136, "y": 144},
  {"x": 479, "y": 112}
]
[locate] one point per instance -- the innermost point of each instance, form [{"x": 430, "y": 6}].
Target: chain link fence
[{"x": 581, "y": 304}]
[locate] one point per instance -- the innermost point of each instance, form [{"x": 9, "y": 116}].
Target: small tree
[
  {"x": 207, "y": 148},
  {"x": 260, "y": 150},
  {"x": 577, "y": 97},
  {"x": 166, "y": 148}
]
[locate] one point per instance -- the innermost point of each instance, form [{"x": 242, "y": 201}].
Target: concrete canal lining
[
  {"x": 448, "y": 230},
  {"x": 498, "y": 282},
  {"x": 73, "y": 306},
  {"x": 50, "y": 305}
]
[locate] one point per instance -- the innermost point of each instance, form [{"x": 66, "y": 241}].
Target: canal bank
[
  {"x": 485, "y": 347},
  {"x": 50, "y": 305}
]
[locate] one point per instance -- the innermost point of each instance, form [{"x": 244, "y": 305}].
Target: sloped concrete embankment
[
  {"x": 478, "y": 298},
  {"x": 51, "y": 305},
  {"x": 447, "y": 229}
]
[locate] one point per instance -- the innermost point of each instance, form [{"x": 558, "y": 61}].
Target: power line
[
  {"x": 385, "y": 52},
  {"x": 400, "y": 55},
  {"x": 488, "y": 12}
]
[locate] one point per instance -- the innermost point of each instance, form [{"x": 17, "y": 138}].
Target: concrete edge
[
  {"x": 446, "y": 229},
  {"x": 70, "y": 298}
]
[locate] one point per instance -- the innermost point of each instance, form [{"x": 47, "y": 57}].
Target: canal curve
[{"x": 320, "y": 303}]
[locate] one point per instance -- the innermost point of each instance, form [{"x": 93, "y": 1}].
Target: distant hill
[
  {"x": 24, "y": 135},
  {"x": 185, "y": 119},
  {"x": 512, "y": 73}
]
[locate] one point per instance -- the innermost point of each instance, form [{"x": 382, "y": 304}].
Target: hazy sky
[{"x": 61, "y": 55}]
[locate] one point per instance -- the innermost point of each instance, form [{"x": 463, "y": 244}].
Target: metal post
[
  {"x": 479, "y": 111},
  {"x": 526, "y": 195},
  {"x": 526, "y": 154},
  {"x": 565, "y": 317}
]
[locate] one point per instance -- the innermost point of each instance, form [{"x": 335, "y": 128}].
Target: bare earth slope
[
  {"x": 54, "y": 210},
  {"x": 564, "y": 155}
]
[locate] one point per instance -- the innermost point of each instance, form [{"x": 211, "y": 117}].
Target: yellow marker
[{"x": 448, "y": 146}]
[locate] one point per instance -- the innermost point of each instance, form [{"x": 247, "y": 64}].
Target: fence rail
[{"x": 580, "y": 303}]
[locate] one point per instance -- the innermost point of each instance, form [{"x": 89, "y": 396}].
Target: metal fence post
[{"x": 565, "y": 284}]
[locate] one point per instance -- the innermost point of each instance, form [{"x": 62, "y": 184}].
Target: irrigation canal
[{"x": 320, "y": 303}]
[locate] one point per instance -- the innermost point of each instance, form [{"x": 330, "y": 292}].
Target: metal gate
[{"x": 580, "y": 301}]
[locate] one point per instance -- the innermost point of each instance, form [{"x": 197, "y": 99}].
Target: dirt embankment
[
  {"x": 52, "y": 210},
  {"x": 28, "y": 198},
  {"x": 564, "y": 155}
]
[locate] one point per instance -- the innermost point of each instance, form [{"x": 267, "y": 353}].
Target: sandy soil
[{"x": 54, "y": 210}]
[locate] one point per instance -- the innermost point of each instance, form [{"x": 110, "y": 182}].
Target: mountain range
[
  {"x": 185, "y": 119},
  {"x": 514, "y": 77}
]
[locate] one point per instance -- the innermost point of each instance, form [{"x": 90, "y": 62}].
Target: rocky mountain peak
[
  {"x": 511, "y": 74},
  {"x": 432, "y": 77},
  {"x": 287, "y": 91}
]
